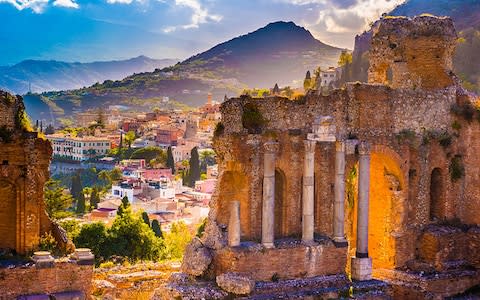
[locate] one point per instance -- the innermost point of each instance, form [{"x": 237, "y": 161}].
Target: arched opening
[
  {"x": 8, "y": 215},
  {"x": 280, "y": 201},
  {"x": 437, "y": 195},
  {"x": 234, "y": 187}
]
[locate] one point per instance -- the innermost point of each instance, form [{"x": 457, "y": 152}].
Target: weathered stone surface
[
  {"x": 70, "y": 295},
  {"x": 236, "y": 283},
  {"x": 197, "y": 258}
]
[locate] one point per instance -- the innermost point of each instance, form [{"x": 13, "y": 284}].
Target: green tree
[
  {"x": 94, "y": 198},
  {"x": 130, "y": 138},
  {"x": 345, "y": 58},
  {"x": 170, "y": 160},
  {"x": 123, "y": 207},
  {"x": 72, "y": 227},
  {"x": 80, "y": 204},
  {"x": 93, "y": 236},
  {"x": 57, "y": 201},
  {"x": 307, "y": 83},
  {"x": 194, "y": 163},
  {"x": 76, "y": 187},
  {"x": 177, "y": 239},
  {"x": 145, "y": 218},
  {"x": 151, "y": 153},
  {"x": 207, "y": 158},
  {"x": 157, "y": 229},
  {"x": 101, "y": 118}
]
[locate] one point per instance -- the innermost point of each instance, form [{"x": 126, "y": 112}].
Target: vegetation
[
  {"x": 6, "y": 134},
  {"x": 157, "y": 229},
  {"x": 152, "y": 155},
  {"x": 252, "y": 118},
  {"x": 57, "y": 200},
  {"x": 170, "y": 160},
  {"x": 456, "y": 168},
  {"x": 130, "y": 138},
  {"x": 194, "y": 167}
]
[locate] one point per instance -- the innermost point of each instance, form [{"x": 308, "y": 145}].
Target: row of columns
[{"x": 360, "y": 261}]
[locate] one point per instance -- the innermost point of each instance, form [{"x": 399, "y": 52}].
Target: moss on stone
[{"x": 252, "y": 118}]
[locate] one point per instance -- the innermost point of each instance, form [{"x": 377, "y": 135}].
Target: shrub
[
  {"x": 6, "y": 134},
  {"x": 456, "y": 168},
  {"x": 406, "y": 135},
  {"x": 456, "y": 125},
  {"x": 47, "y": 243},
  {"x": 252, "y": 118},
  {"x": 466, "y": 110},
  {"x": 445, "y": 139},
  {"x": 201, "y": 228}
]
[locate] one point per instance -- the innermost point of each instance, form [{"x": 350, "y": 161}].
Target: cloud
[
  {"x": 65, "y": 3},
  {"x": 199, "y": 16},
  {"x": 36, "y": 6},
  {"x": 119, "y": 1}
]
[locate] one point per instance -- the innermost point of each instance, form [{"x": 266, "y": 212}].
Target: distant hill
[
  {"x": 466, "y": 16},
  {"x": 280, "y": 52},
  {"x": 41, "y": 76}
]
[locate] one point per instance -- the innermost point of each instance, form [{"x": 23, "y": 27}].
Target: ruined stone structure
[
  {"x": 24, "y": 162},
  {"x": 378, "y": 180}
]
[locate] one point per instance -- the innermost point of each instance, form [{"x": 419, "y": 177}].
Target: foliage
[
  {"x": 466, "y": 110},
  {"x": 22, "y": 120},
  {"x": 252, "y": 118},
  {"x": 201, "y": 228},
  {"x": 207, "y": 158},
  {"x": 194, "y": 163},
  {"x": 456, "y": 125},
  {"x": 170, "y": 160},
  {"x": 456, "y": 168},
  {"x": 219, "y": 128},
  {"x": 76, "y": 187},
  {"x": 406, "y": 135},
  {"x": 94, "y": 198},
  {"x": 123, "y": 207},
  {"x": 308, "y": 82},
  {"x": 345, "y": 58},
  {"x": 57, "y": 201},
  {"x": 80, "y": 209},
  {"x": 47, "y": 243},
  {"x": 177, "y": 240},
  {"x": 157, "y": 229},
  {"x": 72, "y": 227},
  {"x": 150, "y": 153},
  {"x": 93, "y": 236},
  {"x": 145, "y": 218},
  {"x": 130, "y": 138}
]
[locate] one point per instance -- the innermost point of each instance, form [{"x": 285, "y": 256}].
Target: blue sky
[{"x": 92, "y": 30}]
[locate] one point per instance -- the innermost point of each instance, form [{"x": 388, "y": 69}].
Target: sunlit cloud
[
  {"x": 65, "y": 3},
  {"x": 36, "y": 6},
  {"x": 200, "y": 15}
]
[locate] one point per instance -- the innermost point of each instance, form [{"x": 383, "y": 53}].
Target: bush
[
  {"x": 456, "y": 168},
  {"x": 93, "y": 236},
  {"x": 47, "y": 243},
  {"x": 201, "y": 228},
  {"x": 176, "y": 240},
  {"x": 406, "y": 135},
  {"x": 252, "y": 118}
]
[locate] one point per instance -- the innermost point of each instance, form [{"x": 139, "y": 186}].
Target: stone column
[
  {"x": 361, "y": 263},
  {"x": 339, "y": 206},
  {"x": 308, "y": 192},
  {"x": 234, "y": 224},
  {"x": 268, "y": 205}
]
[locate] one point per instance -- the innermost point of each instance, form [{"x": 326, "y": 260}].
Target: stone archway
[
  {"x": 280, "y": 204},
  {"x": 8, "y": 215},
  {"x": 387, "y": 208},
  {"x": 437, "y": 195}
]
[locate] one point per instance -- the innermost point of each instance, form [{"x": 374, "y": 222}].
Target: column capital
[
  {"x": 340, "y": 146},
  {"x": 309, "y": 145},
  {"x": 271, "y": 147},
  {"x": 364, "y": 148}
]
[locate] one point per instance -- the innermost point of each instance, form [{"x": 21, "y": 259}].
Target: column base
[
  {"x": 268, "y": 245},
  {"x": 340, "y": 242},
  {"x": 361, "y": 268}
]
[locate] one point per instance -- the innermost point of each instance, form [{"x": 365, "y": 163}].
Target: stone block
[
  {"x": 236, "y": 283},
  {"x": 361, "y": 268},
  {"x": 197, "y": 258}
]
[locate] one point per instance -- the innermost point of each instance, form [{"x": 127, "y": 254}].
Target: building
[
  {"x": 168, "y": 136},
  {"x": 328, "y": 78},
  {"x": 372, "y": 178},
  {"x": 79, "y": 148}
]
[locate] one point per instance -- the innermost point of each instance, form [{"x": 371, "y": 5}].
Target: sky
[{"x": 95, "y": 30}]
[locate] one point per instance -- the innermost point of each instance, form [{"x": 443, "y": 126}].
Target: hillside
[
  {"x": 465, "y": 14},
  {"x": 280, "y": 53},
  {"x": 40, "y": 76}
]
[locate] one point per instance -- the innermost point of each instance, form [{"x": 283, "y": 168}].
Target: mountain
[
  {"x": 466, "y": 16},
  {"x": 40, "y": 76},
  {"x": 280, "y": 52}
]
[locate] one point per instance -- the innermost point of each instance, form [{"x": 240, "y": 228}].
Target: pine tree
[
  {"x": 307, "y": 83},
  {"x": 276, "y": 90},
  {"x": 157, "y": 229},
  {"x": 80, "y": 204},
  {"x": 123, "y": 207},
  {"x": 94, "y": 198},
  {"x": 170, "y": 160},
  {"x": 145, "y": 218},
  {"x": 194, "y": 163}
]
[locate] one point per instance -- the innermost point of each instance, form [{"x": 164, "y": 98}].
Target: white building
[
  {"x": 327, "y": 78},
  {"x": 78, "y": 148}
]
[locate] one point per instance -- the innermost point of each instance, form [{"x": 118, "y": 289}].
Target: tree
[
  {"x": 93, "y": 236},
  {"x": 170, "y": 160},
  {"x": 94, "y": 198},
  {"x": 80, "y": 204},
  {"x": 150, "y": 154},
  {"x": 207, "y": 158},
  {"x": 123, "y": 207},
  {"x": 194, "y": 163},
  {"x": 76, "y": 187},
  {"x": 345, "y": 58},
  {"x": 307, "y": 83},
  {"x": 130, "y": 138},
  {"x": 49, "y": 129},
  {"x": 56, "y": 200},
  {"x": 101, "y": 118},
  {"x": 177, "y": 239},
  {"x": 157, "y": 229},
  {"x": 145, "y": 218},
  {"x": 276, "y": 90}
]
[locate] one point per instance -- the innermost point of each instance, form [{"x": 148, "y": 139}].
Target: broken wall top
[{"x": 413, "y": 52}]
